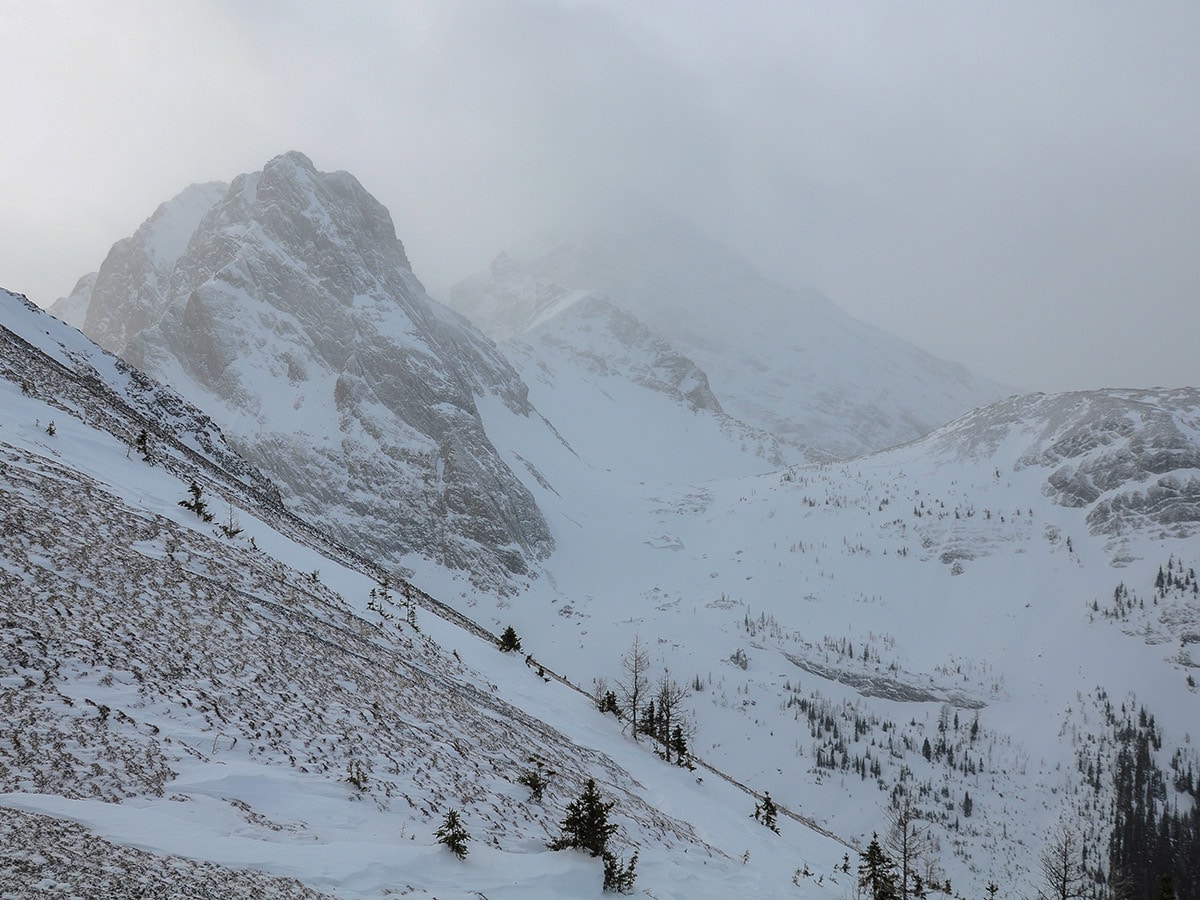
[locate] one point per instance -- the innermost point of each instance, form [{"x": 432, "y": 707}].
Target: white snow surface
[
  {"x": 975, "y": 581},
  {"x": 190, "y": 695},
  {"x": 827, "y": 618}
]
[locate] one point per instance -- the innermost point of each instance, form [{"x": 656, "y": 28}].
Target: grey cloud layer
[{"x": 1013, "y": 185}]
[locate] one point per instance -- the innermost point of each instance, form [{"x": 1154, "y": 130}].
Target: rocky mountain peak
[
  {"x": 133, "y": 278},
  {"x": 294, "y": 316}
]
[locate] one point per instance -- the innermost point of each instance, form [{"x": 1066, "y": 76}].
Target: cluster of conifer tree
[
  {"x": 1155, "y": 847},
  {"x": 585, "y": 827},
  {"x": 654, "y": 710}
]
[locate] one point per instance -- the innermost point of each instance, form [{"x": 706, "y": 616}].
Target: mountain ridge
[
  {"x": 293, "y": 314},
  {"x": 976, "y": 624},
  {"x": 784, "y": 361}
]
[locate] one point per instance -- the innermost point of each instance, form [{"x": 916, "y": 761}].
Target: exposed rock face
[
  {"x": 1130, "y": 457},
  {"x": 293, "y": 315},
  {"x": 788, "y": 362},
  {"x": 134, "y": 278}
]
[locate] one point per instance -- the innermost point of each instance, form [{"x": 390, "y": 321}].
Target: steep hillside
[
  {"x": 277, "y": 713},
  {"x": 788, "y": 362},
  {"x": 67, "y": 371},
  {"x": 290, "y": 312}
]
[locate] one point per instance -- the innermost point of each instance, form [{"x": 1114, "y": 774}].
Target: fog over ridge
[{"x": 1010, "y": 187}]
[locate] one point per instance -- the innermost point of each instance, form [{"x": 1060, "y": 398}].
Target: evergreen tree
[
  {"x": 680, "y": 748},
  {"x": 197, "y": 504},
  {"x": 767, "y": 812},
  {"x": 1151, "y": 837},
  {"x": 608, "y": 703},
  {"x": 586, "y": 826},
  {"x": 618, "y": 875},
  {"x": 143, "y": 445},
  {"x": 877, "y": 872},
  {"x": 649, "y": 721},
  {"x": 509, "y": 640},
  {"x": 453, "y": 834},
  {"x": 357, "y": 775},
  {"x": 668, "y": 714},
  {"x": 535, "y": 779}
]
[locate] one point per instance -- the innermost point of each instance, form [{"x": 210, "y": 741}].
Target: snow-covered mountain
[
  {"x": 1010, "y": 589},
  {"x": 284, "y": 305},
  {"x": 995, "y": 625},
  {"x": 1130, "y": 459},
  {"x": 193, "y": 710},
  {"x": 788, "y": 362},
  {"x": 626, "y": 401}
]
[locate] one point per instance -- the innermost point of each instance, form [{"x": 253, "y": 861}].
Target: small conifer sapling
[
  {"x": 509, "y": 641},
  {"x": 586, "y": 826},
  {"x": 618, "y": 874},
  {"x": 143, "y": 445},
  {"x": 453, "y": 834},
  {"x": 197, "y": 504},
  {"x": 767, "y": 812}
]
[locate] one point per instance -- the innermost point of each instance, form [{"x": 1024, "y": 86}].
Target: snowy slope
[
  {"x": 292, "y": 315},
  {"x": 790, "y": 363},
  {"x": 194, "y": 712},
  {"x": 959, "y": 589},
  {"x": 969, "y": 619},
  {"x": 628, "y": 402},
  {"x": 62, "y": 367}
]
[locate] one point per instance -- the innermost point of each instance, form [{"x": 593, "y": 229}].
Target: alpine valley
[{"x": 796, "y": 609}]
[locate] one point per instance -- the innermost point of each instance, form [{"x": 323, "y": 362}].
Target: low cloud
[{"x": 1012, "y": 186}]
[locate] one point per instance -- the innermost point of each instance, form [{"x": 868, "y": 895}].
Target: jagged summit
[
  {"x": 134, "y": 279},
  {"x": 789, "y": 362},
  {"x": 292, "y": 313}
]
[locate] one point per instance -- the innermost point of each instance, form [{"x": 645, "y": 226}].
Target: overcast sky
[{"x": 1015, "y": 186}]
